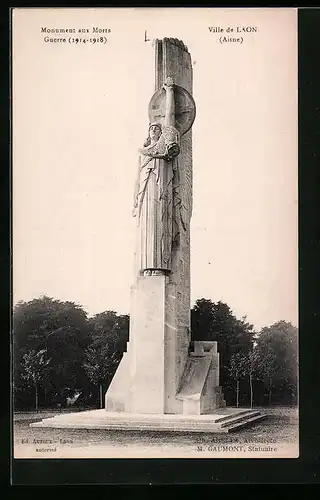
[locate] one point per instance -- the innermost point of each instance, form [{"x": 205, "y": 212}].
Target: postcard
[{"x": 155, "y": 233}]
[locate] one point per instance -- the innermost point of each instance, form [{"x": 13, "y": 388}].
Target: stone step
[
  {"x": 126, "y": 422},
  {"x": 97, "y": 415},
  {"x": 107, "y": 421},
  {"x": 245, "y": 423},
  {"x": 130, "y": 426},
  {"x": 237, "y": 418},
  {"x": 240, "y": 413},
  {"x": 155, "y": 424}
]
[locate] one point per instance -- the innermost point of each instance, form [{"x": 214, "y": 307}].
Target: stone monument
[
  {"x": 161, "y": 382},
  {"x": 157, "y": 373}
]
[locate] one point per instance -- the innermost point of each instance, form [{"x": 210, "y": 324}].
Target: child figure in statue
[{"x": 153, "y": 200}]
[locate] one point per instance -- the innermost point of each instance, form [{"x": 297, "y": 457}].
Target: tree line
[{"x": 63, "y": 357}]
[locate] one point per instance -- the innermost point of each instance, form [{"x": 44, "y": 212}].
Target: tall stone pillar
[
  {"x": 173, "y": 59},
  {"x": 148, "y": 378}
]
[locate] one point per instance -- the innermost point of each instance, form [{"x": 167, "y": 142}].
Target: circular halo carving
[{"x": 185, "y": 108}]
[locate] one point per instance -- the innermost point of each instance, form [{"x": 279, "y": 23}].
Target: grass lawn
[{"x": 274, "y": 437}]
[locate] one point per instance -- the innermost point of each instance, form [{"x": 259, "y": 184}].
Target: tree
[
  {"x": 110, "y": 328},
  {"x": 216, "y": 322},
  {"x": 100, "y": 365},
  {"x": 237, "y": 370},
  {"x": 277, "y": 348},
  {"x": 35, "y": 367},
  {"x": 62, "y": 329},
  {"x": 251, "y": 366},
  {"x": 109, "y": 333}
]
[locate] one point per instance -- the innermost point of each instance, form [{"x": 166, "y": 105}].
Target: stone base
[
  {"x": 223, "y": 420},
  {"x": 199, "y": 387},
  {"x": 138, "y": 385}
]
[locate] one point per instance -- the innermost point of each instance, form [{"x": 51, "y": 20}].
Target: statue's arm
[{"x": 170, "y": 106}]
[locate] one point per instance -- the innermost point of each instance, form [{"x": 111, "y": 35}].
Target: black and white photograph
[{"x": 155, "y": 233}]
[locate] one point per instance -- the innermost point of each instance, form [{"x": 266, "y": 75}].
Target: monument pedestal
[
  {"x": 146, "y": 351},
  {"x": 145, "y": 380},
  {"x": 140, "y": 385}
]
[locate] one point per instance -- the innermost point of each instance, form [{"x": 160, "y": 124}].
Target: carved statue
[{"x": 157, "y": 199}]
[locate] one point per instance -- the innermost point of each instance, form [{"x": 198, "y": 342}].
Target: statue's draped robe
[{"x": 157, "y": 202}]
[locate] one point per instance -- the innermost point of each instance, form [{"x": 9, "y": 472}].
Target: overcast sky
[{"x": 79, "y": 116}]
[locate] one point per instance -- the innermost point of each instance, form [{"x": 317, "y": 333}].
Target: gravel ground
[{"x": 274, "y": 437}]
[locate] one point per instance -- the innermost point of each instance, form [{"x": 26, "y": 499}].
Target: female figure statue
[{"x": 153, "y": 200}]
